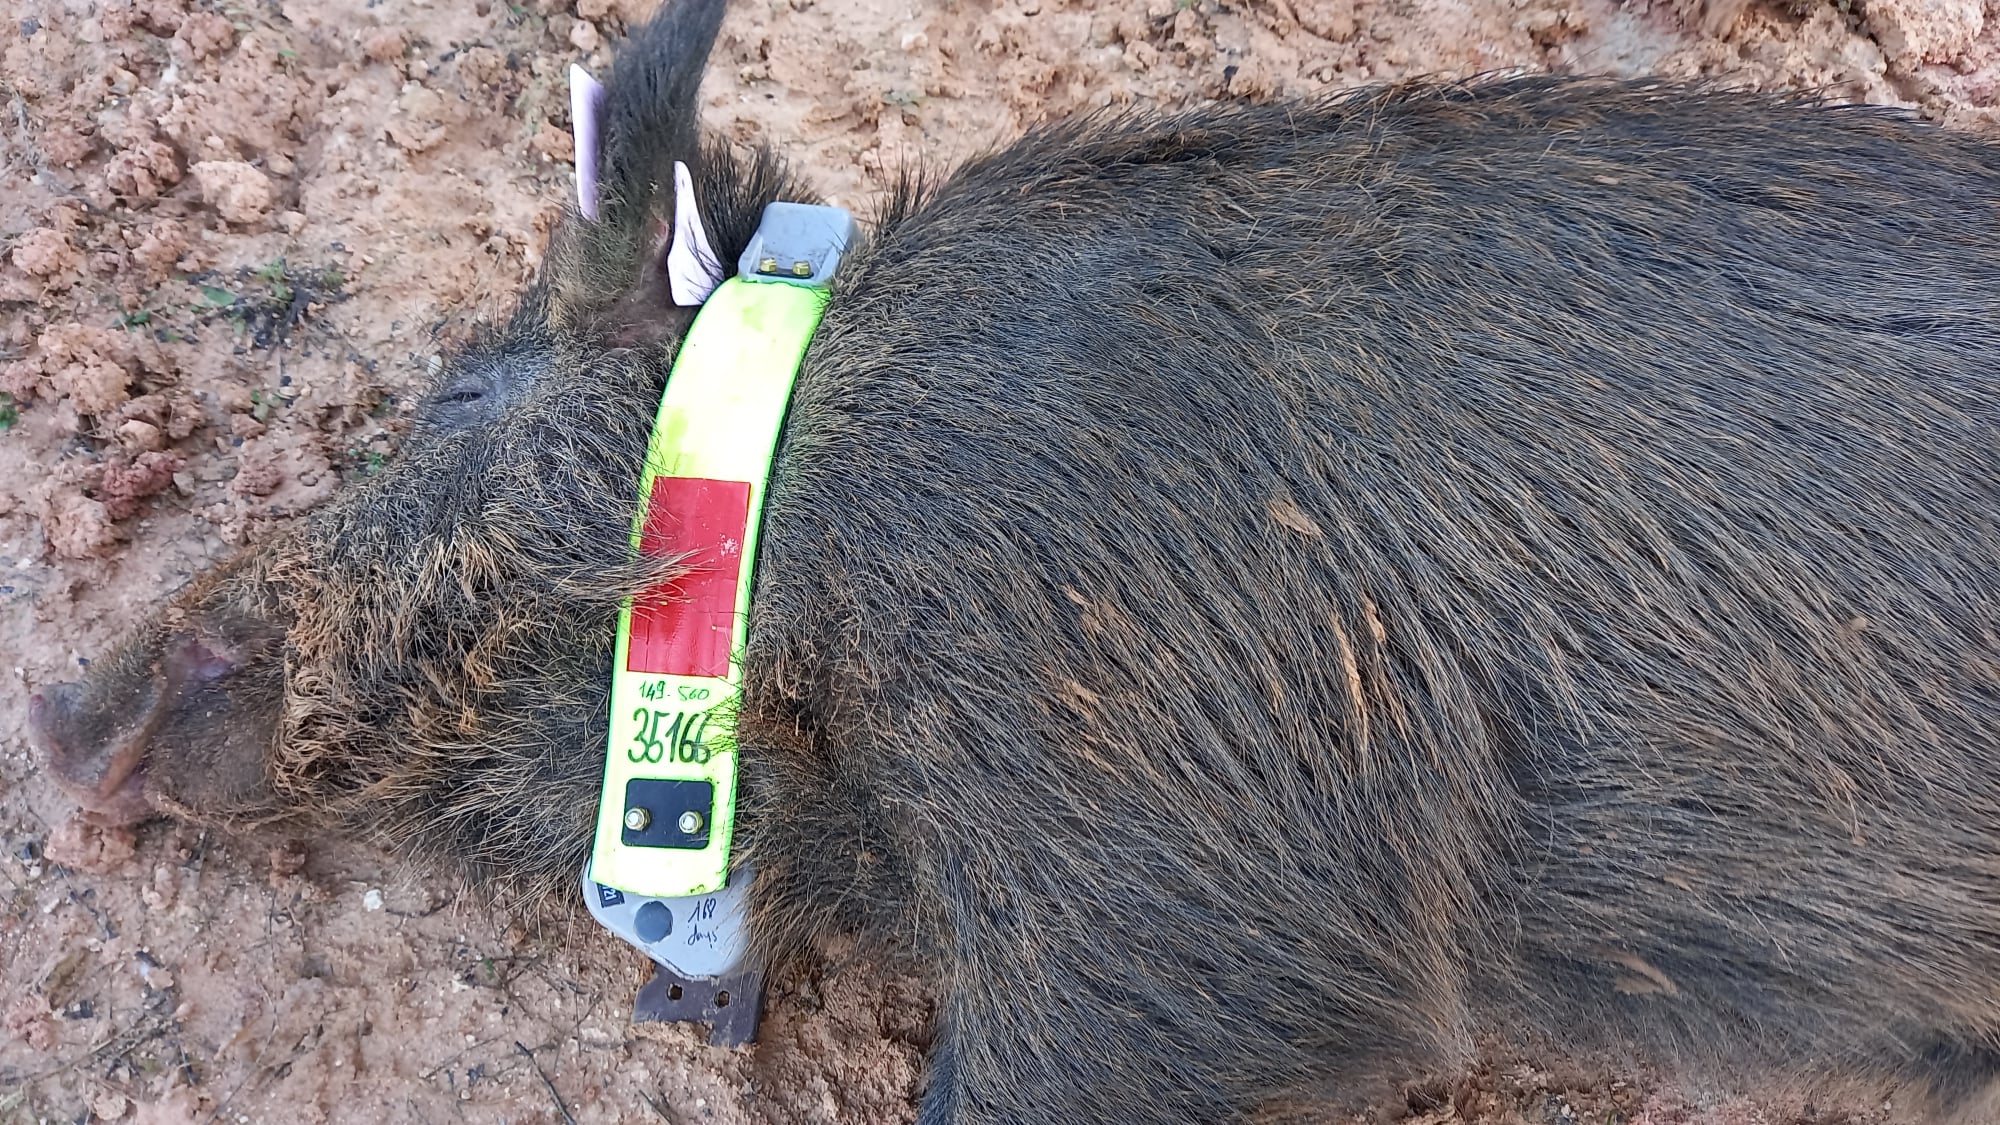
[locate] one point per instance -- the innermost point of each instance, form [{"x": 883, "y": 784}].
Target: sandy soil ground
[{"x": 232, "y": 236}]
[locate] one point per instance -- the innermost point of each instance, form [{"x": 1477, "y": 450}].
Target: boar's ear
[{"x": 606, "y": 271}]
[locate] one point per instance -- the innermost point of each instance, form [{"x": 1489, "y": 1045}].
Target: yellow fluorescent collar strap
[{"x": 667, "y": 811}]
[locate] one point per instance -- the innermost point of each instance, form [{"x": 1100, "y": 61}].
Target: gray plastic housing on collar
[
  {"x": 797, "y": 243},
  {"x": 695, "y": 935}
]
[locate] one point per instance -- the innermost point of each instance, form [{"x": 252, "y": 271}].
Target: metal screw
[
  {"x": 802, "y": 268},
  {"x": 637, "y": 818},
  {"x": 690, "y": 822},
  {"x": 767, "y": 265}
]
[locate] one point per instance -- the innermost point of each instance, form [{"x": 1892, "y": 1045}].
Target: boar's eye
[{"x": 470, "y": 395}]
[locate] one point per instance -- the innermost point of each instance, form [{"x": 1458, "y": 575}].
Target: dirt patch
[{"x": 233, "y": 236}]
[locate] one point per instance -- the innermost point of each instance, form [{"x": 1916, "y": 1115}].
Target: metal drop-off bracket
[{"x": 731, "y": 1005}]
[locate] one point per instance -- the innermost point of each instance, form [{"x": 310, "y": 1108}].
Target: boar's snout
[
  {"x": 102, "y": 769},
  {"x": 175, "y": 722}
]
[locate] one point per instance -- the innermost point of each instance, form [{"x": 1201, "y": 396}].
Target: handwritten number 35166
[{"x": 682, "y": 738}]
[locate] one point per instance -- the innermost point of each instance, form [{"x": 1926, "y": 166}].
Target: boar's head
[{"x": 426, "y": 659}]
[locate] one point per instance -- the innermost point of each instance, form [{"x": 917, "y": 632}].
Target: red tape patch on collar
[{"x": 684, "y": 627}]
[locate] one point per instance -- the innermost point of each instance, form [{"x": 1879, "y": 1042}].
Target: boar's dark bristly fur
[{"x": 1249, "y": 601}]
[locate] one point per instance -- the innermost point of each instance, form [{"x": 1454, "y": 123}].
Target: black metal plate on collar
[
  {"x": 730, "y": 1005},
  {"x": 661, "y": 803}
]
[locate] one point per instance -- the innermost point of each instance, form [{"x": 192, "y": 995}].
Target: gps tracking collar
[{"x": 659, "y": 873}]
